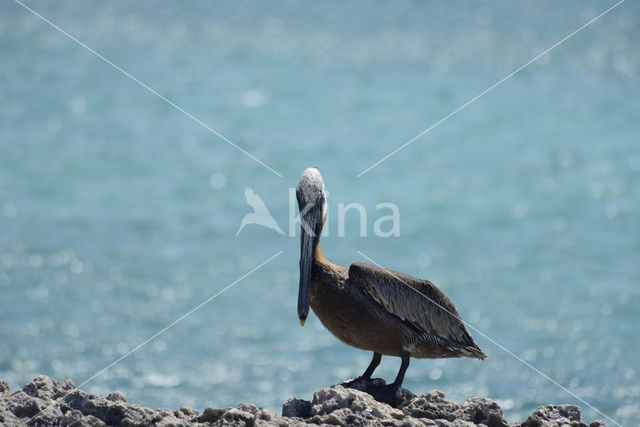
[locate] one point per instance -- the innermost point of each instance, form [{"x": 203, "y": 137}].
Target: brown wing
[{"x": 416, "y": 301}]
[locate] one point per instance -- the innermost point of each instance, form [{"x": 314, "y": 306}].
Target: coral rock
[{"x": 47, "y": 402}]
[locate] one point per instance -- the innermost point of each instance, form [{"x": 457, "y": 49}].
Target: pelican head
[{"x": 313, "y": 214}]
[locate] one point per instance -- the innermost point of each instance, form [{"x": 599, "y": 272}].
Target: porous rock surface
[{"x": 47, "y": 402}]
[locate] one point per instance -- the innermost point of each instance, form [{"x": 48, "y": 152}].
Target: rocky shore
[{"x": 47, "y": 402}]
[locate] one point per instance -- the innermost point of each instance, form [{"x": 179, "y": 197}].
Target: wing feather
[{"x": 416, "y": 301}]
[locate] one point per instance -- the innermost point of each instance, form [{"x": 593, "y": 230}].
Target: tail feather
[{"x": 474, "y": 352}]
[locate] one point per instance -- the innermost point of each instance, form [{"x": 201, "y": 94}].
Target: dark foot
[
  {"x": 353, "y": 382},
  {"x": 361, "y": 383},
  {"x": 384, "y": 393}
]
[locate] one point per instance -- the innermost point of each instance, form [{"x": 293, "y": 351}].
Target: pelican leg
[
  {"x": 388, "y": 393},
  {"x": 375, "y": 361},
  {"x": 362, "y": 381},
  {"x": 405, "y": 357}
]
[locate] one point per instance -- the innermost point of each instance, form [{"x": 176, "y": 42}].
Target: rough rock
[
  {"x": 116, "y": 396},
  {"x": 4, "y": 387},
  {"x": 296, "y": 408},
  {"x": 46, "y": 402},
  {"x": 557, "y": 415}
]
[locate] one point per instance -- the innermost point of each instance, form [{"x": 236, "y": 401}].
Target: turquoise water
[{"x": 118, "y": 214}]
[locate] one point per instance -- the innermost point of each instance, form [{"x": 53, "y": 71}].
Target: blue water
[{"x": 118, "y": 214}]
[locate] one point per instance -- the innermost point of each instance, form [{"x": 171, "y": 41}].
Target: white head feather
[{"x": 310, "y": 187}]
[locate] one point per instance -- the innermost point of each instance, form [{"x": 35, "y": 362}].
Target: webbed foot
[
  {"x": 384, "y": 393},
  {"x": 362, "y": 383}
]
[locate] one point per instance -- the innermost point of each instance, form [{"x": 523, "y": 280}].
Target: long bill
[{"x": 308, "y": 221}]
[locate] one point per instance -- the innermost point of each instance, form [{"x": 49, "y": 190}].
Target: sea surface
[{"x": 119, "y": 212}]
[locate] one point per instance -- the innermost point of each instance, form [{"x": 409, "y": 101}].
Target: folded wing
[{"x": 416, "y": 301}]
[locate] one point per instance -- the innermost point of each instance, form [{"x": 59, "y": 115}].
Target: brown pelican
[{"x": 372, "y": 308}]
